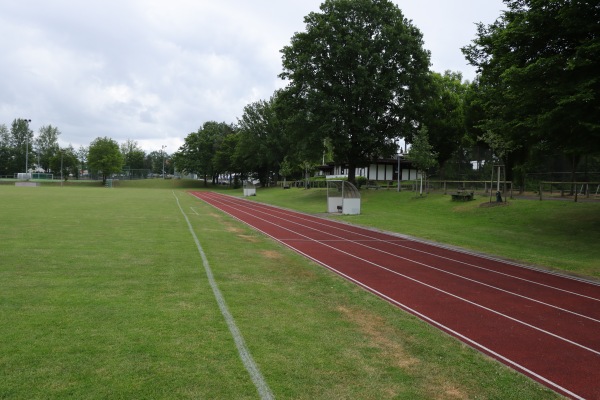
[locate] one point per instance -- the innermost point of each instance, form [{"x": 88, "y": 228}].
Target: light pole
[
  {"x": 163, "y": 157},
  {"x": 398, "y": 156},
  {"x": 61, "y": 167},
  {"x": 27, "y": 121}
]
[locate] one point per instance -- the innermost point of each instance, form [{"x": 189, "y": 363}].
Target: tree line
[
  {"x": 22, "y": 151},
  {"x": 358, "y": 81}
]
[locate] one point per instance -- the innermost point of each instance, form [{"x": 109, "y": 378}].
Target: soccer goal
[{"x": 342, "y": 197}]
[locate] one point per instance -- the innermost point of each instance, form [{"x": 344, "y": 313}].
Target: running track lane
[{"x": 544, "y": 325}]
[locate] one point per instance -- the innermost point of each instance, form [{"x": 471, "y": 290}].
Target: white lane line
[
  {"x": 255, "y": 374},
  {"x": 361, "y": 243},
  {"x": 319, "y": 221},
  {"x": 420, "y": 282},
  {"x": 194, "y": 210},
  {"x": 450, "y": 330}
]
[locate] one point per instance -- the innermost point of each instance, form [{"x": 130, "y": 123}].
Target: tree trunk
[
  {"x": 575, "y": 161},
  {"x": 352, "y": 173}
]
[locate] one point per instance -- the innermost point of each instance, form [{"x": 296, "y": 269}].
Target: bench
[{"x": 462, "y": 195}]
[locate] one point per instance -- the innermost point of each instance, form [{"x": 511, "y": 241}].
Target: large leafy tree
[
  {"x": 539, "y": 79},
  {"x": 225, "y": 158},
  {"x": 21, "y": 141},
  {"x": 360, "y": 70},
  {"x": 7, "y": 159},
  {"x": 474, "y": 114},
  {"x": 82, "y": 156},
  {"x": 262, "y": 144},
  {"x": 105, "y": 157},
  {"x": 444, "y": 115},
  {"x": 197, "y": 155},
  {"x": 67, "y": 160},
  {"x": 133, "y": 155},
  {"x": 297, "y": 123},
  {"x": 46, "y": 145},
  {"x": 154, "y": 161}
]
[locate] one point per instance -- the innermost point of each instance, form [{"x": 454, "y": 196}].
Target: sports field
[{"x": 104, "y": 294}]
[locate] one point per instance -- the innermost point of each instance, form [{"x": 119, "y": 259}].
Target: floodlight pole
[
  {"x": 498, "y": 187},
  {"x": 398, "y": 156},
  {"x": 61, "y": 167},
  {"x": 27, "y": 121},
  {"x": 163, "y": 157}
]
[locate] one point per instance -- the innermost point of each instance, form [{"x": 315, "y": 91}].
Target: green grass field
[{"x": 104, "y": 296}]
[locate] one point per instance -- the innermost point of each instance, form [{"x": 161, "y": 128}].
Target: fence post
[{"x": 540, "y": 191}]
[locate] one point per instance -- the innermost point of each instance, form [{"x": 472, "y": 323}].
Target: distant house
[{"x": 384, "y": 169}]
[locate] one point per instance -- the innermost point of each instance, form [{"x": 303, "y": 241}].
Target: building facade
[{"x": 384, "y": 169}]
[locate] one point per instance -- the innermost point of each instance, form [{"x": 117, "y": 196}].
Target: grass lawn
[{"x": 104, "y": 296}]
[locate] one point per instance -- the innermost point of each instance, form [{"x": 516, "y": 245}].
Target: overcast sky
[{"x": 155, "y": 70}]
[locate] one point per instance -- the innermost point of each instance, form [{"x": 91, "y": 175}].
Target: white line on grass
[{"x": 260, "y": 383}]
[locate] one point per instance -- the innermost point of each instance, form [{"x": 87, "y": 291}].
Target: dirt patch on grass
[
  {"x": 249, "y": 238},
  {"x": 375, "y": 328},
  {"x": 233, "y": 229},
  {"x": 493, "y": 204},
  {"x": 436, "y": 385},
  {"x": 447, "y": 391},
  {"x": 271, "y": 254}
]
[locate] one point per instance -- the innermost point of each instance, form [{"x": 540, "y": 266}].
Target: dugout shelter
[
  {"x": 249, "y": 189},
  {"x": 342, "y": 197}
]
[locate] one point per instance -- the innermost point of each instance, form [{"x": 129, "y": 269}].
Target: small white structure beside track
[
  {"x": 342, "y": 197},
  {"x": 249, "y": 189}
]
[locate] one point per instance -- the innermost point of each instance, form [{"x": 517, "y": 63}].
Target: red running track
[{"x": 544, "y": 325}]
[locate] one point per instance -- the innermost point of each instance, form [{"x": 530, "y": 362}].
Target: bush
[{"x": 360, "y": 181}]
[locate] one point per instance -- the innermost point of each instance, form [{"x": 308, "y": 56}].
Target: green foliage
[
  {"x": 17, "y": 147},
  {"x": 154, "y": 161},
  {"x": 7, "y": 152},
  {"x": 46, "y": 145},
  {"x": 204, "y": 152},
  {"x": 133, "y": 155},
  {"x": 263, "y": 143},
  {"x": 285, "y": 168},
  {"x": 361, "y": 181},
  {"x": 67, "y": 159},
  {"x": 225, "y": 158},
  {"x": 358, "y": 74},
  {"x": 421, "y": 152},
  {"x": 539, "y": 82},
  {"x": 444, "y": 115},
  {"x": 105, "y": 157}
]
